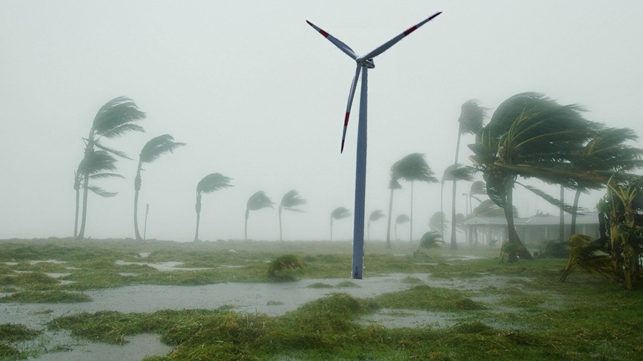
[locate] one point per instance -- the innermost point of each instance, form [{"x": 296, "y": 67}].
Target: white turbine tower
[{"x": 363, "y": 64}]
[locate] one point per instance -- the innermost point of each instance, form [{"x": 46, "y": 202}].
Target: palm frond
[
  {"x": 413, "y": 167},
  {"x": 101, "y": 192},
  {"x": 478, "y": 187},
  {"x": 158, "y": 146},
  {"x": 99, "y": 161},
  {"x": 376, "y": 215},
  {"x": 431, "y": 240},
  {"x": 551, "y": 200},
  {"x": 114, "y": 114},
  {"x": 121, "y": 130},
  {"x": 290, "y": 200},
  {"x": 105, "y": 176},
  {"x": 438, "y": 222},
  {"x": 110, "y": 150},
  {"x": 471, "y": 117},
  {"x": 258, "y": 201},
  {"x": 394, "y": 184},
  {"x": 213, "y": 182},
  {"x": 402, "y": 218},
  {"x": 340, "y": 213}
]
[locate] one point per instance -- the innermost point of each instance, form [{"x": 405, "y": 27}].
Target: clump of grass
[
  {"x": 427, "y": 298},
  {"x": 320, "y": 285},
  {"x": 281, "y": 268},
  {"x": 32, "y": 280},
  {"x": 412, "y": 280},
  {"x": 347, "y": 284},
  {"x": 45, "y": 297},
  {"x": 274, "y": 303},
  {"x": 16, "y": 333}
]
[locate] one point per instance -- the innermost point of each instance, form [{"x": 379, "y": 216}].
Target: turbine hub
[{"x": 368, "y": 63}]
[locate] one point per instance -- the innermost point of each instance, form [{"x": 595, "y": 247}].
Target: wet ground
[{"x": 273, "y": 299}]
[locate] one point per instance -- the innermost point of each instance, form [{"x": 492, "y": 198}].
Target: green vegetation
[{"x": 9, "y": 335}]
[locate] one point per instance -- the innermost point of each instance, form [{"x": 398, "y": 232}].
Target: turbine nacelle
[{"x": 368, "y": 63}]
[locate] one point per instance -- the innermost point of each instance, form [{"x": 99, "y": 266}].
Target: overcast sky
[{"x": 259, "y": 96}]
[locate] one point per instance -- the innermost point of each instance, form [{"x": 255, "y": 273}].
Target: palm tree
[
  {"x": 113, "y": 119},
  {"x": 401, "y": 219},
  {"x": 289, "y": 201},
  {"x": 257, "y": 201},
  {"x": 393, "y": 184},
  {"x": 530, "y": 135},
  {"x": 477, "y": 188},
  {"x": 470, "y": 122},
  {"x": 436, "y": 223},
  {"x": 452, "y": 173},
  {"x": 606, "y": 153},
  {"x": 208, "y": 184},
  {"x": 375, "y": 216},
  {"x": 411, "y": 168},
  {"x": 99, "y": 166},
  {"x": 337, "y": 213},
  {"x": 429, "y": 240},
  {"x": 151, "y": 151}
]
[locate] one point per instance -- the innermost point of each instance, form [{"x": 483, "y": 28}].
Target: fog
[{"x": 259, "y": 96}]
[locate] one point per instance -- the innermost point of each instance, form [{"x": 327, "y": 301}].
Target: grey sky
[{"x": 259, "y": 96}]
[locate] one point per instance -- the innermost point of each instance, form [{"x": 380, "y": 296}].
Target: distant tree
[
  {"x": 429, "y": 240},
  {"x": 375, "y": 216},
  {"x": 393, "y": 184},
  {"x": 210, "y": 183},
  {"x": 453, "y": 173},
  {"x": 257, "y": 201},
  {"x": 337, "y": 214},
  {"x": 436, "y": 222},
  {"x": 113, "y": 119},
  {"x": 99, "y": 166},
  {"x": 477, "y": 188},
  {"x": 151, "y": 151},
  {"x": 289, "y": 202},
  {"x": 411, "y": 168},
  {"x": 470, "y": 122},
  {"x": 401, "y": 219}
]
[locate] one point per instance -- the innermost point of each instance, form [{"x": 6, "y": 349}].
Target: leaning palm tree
[
  {"x": 337, "y": 214},
  {"x": 151, "y": 151},
  {"x": 401, "y": 219},
  {"x": 606, "y": 153},
  {"x": 208, "y": 184},
  {"x": 375, "y": 216},
  {"x": 289, "y": 202},
  {"x": 113, "y": 119},
  {"x": 257, "y": 201},
  {"x": 477, "y": 188},
  {"x": 411, "y": 168},
  {"x": 436, "y": 223},
  {"x": 99, "y": 166},
  {"x": 470, "y": 122},
  {"x": 429, "y": 240},
  {"x": 453, "y": 173},
  {"x": 530, "y": 135}
]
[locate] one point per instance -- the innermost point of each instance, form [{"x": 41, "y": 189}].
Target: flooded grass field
[{"x": 126, "y": 300}]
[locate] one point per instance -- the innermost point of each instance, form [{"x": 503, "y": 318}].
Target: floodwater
[{"x": 273, "y": 299}]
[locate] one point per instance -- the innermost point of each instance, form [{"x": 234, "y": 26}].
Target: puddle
[
  {"x": 163, "y": 266},
  {"x": 11, "y": 263},
  {"x": 58, "y": 275},
  {"x": 53, "y": 261},
  {"x": 410, "y": 319},
  {"x": 144, "y": 254}
]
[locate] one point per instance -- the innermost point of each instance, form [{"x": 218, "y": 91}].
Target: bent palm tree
[
  {"x": 393, "y": 184},
  {"x": 208, "y": 184},
  {"x": 289, "y": 201},
  {"x": 530, "y": 135},
  {"x": 375, "y": 216},
  {"x": 151, "y": 151},
  {"x": 436, "y": 222},
  {"x": 257, "y": 201},
  {"x": 401, "y": 219},
  {"x": 98, "y": 166},
  {"x": 113, "y": 119},
  {"x": 453, "y": 173},
  {"x": 429, "y": 240},
  {"x": 411, "y": 168},
  {"x": 470, "y": 122},
  {"x": 337, "y": 214},
  {"x": 477, "y": 188}
]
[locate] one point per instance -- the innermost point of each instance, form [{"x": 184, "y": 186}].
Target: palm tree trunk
[
  {"x": 511, "y": 227},
  {"x": 454, "y": 244},
  {"x": 280, "y": 233},
  {"x": 390, "y": 215},
  {"x": 77, "y": 211},
  {"x": 574, "y": 212},
  {"x": 137, "y": 188},
  {"x": 411, "y": 225},
  {"x": 89, "y": 149},
  {"x": 245, "y": 228},
  {"x": 441, "y": 210},
  {"x": 197, "y": 208},
  {"x": 561, "y": 232}
]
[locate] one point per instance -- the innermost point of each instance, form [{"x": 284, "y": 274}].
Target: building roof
[{"x": 586, "y": 218}]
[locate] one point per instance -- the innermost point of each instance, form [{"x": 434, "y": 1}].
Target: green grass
[
  {"x": 528, "y": 315},
  {"x": 11, "y": 334}
]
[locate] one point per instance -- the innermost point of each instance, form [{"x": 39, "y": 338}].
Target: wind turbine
[{"x": 363, "y": 64}]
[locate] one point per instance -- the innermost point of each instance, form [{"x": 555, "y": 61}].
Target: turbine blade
[
  {"x": 393, "y": 41},
  {"x": 338, "y": 43},
  {"x": 351, "y": 95}
]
